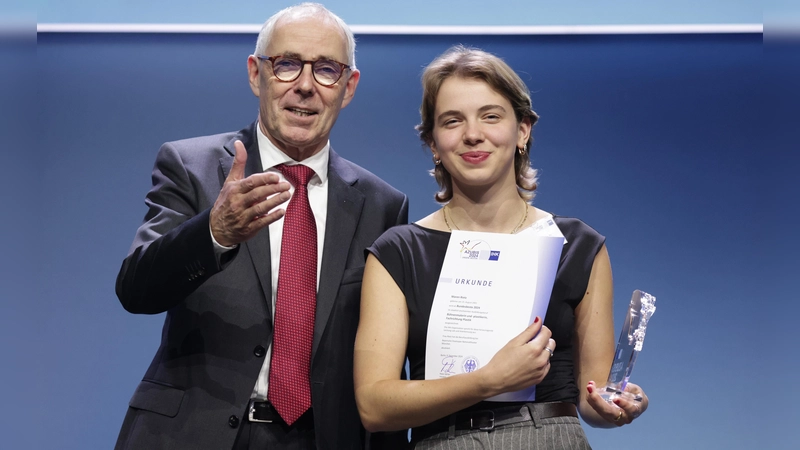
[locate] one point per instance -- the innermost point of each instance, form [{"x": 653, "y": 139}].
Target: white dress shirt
[{"x": 271, "y": 156}]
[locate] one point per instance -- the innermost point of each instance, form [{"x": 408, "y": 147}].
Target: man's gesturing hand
[{"x": 246, "y": 205}]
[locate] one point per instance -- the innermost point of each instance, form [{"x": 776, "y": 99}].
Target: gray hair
[{"x": 307, "y": 10}]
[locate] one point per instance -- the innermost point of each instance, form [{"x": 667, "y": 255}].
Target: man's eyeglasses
[{"x": 326, "y": 71}]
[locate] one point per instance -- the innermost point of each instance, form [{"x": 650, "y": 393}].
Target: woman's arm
[
  {"x": 594, "y": 352},
  {"x": 387, "y": 403}
]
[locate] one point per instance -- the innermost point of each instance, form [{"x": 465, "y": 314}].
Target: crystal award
[{"x": 643, "y": 305}]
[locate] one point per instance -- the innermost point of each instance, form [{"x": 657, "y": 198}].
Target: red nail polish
[
  {"x": 536, "y": 320},
  {"x": 590, "y": 388}
]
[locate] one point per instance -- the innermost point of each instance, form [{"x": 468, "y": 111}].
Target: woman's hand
[
  {"x": 622, "y": 411},
  {"x": 521, "y": 363}
]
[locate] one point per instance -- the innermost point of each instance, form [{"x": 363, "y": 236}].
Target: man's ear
[
  {"x": 253, "y": 75},
  {"x": 350, "y": 87}
]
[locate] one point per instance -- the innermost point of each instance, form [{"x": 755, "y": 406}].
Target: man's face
[{"x": 297, "y": 116}]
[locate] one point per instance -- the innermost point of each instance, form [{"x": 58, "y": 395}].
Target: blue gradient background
[
  {"x": 682, "y": 150},
  {"x": 413, "y": 12}
]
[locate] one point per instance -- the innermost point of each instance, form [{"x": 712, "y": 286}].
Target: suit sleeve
[
  {"x": 172, "y": 253},
  {"x": 402, "y": 216}
]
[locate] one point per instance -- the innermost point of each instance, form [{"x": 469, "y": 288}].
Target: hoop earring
[
  {"x": 521, "y": 151},
  {"x": 436, "y": 161}
]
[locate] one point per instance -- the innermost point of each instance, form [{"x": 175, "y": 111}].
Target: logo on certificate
[
  {"x": 470, "y": 364},
  {"x": 478, "y": 250}
]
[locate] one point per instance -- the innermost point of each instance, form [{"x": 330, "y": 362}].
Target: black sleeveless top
[{"x": 414, "y": 255}]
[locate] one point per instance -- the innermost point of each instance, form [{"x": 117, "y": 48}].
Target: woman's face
[{"x": 476, "y": 133}]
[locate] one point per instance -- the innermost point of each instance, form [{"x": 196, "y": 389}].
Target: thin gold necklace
[{"x": 514, "y": 231}]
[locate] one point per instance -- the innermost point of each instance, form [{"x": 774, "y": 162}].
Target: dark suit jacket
[{"x": 219, "y": 321}]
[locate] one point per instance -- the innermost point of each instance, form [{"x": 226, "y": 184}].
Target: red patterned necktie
[{"x": 295, "y": 304}]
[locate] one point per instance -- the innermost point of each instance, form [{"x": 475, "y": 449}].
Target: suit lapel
[
  {"x": 344, "y": 210},
  {"x": 345, "y": 204},
  {"x": 258, "y": 246}
]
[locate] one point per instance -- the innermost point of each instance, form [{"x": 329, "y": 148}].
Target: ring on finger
[
  {"x": 619, "y": 416},
  {"x": 549, "y": 351}
]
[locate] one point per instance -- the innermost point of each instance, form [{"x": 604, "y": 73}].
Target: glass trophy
[{"x": 643, "y": 305}]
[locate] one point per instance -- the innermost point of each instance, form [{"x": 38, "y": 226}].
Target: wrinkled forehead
[{"x": 309, "y": 36}]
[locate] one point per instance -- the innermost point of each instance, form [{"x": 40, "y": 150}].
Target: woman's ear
[{"x": 524, "y": 132}]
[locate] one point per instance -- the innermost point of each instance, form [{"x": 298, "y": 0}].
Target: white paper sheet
[{"x": 491, "y": 287}]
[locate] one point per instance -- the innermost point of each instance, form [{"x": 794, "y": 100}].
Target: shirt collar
[{"x": 272, "y": 156}]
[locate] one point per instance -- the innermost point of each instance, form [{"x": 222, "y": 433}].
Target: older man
[{"x": 253, "y": 245}]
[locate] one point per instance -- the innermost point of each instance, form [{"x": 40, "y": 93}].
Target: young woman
[{"x": 477, "y": 120}]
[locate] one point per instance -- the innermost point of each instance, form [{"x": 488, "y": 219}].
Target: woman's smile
[{"x": 475, "y": 157}]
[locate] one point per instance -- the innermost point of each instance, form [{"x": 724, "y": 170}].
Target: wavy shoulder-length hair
[{"x": 464, "y": 62}]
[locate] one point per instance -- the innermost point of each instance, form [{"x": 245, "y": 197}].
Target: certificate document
[{"x": 491, "y": 288}]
